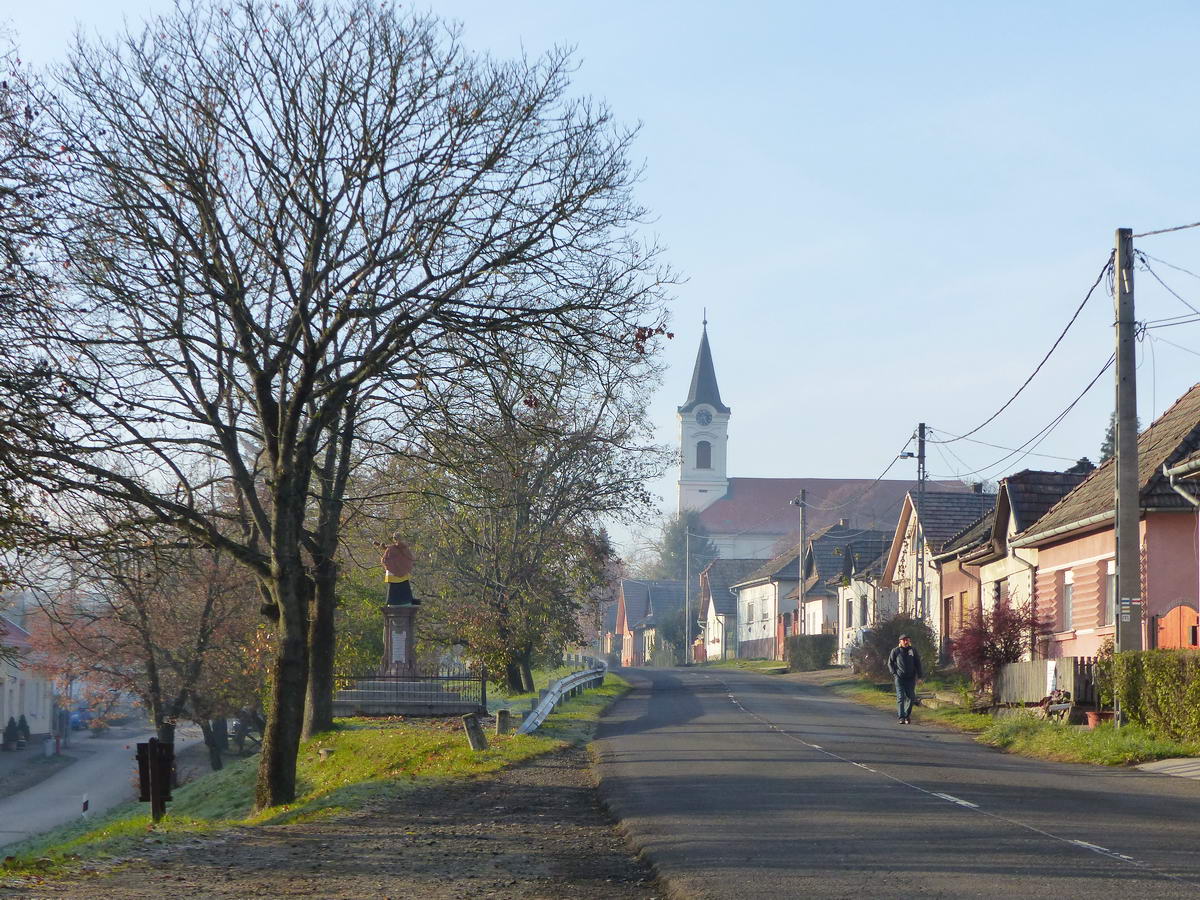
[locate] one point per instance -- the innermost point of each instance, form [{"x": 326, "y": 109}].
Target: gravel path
[{"x": 536, "y": 830}]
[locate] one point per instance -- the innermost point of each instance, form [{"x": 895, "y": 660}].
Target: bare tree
[{"x": 266, "y": 209}]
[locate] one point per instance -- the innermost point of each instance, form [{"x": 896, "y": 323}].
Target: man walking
[{"x": 905, "y": 665}]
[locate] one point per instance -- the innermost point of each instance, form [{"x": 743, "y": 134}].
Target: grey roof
[
  {"x": 943, "y": 515},
  {"x": 649, "y": 601},
  {"x": 720, "y": 575},
  {"x": 860, "y": 556},
  {"x": 704, "y": 381},
  {"x": 827, "y": 552},
  {"x": 974, "y": 535},
  {"x": 1031, "y": 493}
]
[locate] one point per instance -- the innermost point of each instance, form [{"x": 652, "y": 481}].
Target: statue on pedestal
[
  {"x": 399, "y": 612},
  {"x": 397, "y": 563}
]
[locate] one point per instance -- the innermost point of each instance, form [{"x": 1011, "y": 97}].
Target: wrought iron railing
[{"x": 452, "y": 687}]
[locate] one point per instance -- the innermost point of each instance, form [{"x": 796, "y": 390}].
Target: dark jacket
[{"x": 905, "y": 663}]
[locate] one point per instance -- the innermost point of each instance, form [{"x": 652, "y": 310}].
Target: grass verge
[
  {"x": 1029, "y": 736},
  {"x": 371, "y": 761}
]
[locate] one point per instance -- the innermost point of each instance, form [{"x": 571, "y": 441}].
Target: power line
[
  {"x": 1104, "y": 271},
  {"x": 1170, "y": 290},
  {"x": 1168, "y": 230},
  {"x": 867, "y": 489},
  {"x": 1037, "y": 439},
  {"x": 1002, "y": 447},
  {"x": 1169, "y": 265},
  {"x": 1178, "y": 346}
]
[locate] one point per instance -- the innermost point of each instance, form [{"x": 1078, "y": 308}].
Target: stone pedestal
[{"x": 399, "y": 636}]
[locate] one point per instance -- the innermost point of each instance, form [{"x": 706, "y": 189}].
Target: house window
[
  {"x": 1110, "y": 593},
  {"x": 703, "y": 455},
  {"x": 749, "y": 615},
  {"x": 849, "y": 613},
  {"x": 862, "y": 609},
  {"x": 1000, "y": 589},
  {"x": 1068, "y": 598}
]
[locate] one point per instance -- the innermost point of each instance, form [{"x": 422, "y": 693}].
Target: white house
[{"x": 718, "y": 607}]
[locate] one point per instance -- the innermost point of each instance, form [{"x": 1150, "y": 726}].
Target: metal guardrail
[{"x": 567, "y": 686}]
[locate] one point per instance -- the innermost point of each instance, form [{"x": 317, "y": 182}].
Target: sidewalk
[
  {"x": 20, "y": 769},
  {"x": 1180, "y": 767}
]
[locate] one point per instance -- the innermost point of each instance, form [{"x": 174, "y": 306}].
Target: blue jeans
[{"x": 906, "y": 696}]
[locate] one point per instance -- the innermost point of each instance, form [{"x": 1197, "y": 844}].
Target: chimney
[
  {"x": 844, "y": 523},
  {"x": 977, "y": 487}
]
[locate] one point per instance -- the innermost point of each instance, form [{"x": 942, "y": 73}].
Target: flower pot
[{"x": 1096, "y": 716}]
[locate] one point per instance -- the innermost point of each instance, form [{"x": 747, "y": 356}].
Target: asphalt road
[{"x": 743, "y": 785}]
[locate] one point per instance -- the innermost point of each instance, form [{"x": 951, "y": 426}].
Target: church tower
[{"x": 703, "y": 433}]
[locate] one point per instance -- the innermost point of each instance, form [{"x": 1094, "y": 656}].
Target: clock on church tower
[{"x": 704, "y": 417}]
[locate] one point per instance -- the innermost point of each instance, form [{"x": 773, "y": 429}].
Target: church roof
[
  {"x": 762, "y": 506},
  {"x": 704, "y": 381}
]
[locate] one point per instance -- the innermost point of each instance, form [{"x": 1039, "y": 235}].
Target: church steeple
[
  {"x": 704, "y": 380},
  {"x": 703, "y": 436}
]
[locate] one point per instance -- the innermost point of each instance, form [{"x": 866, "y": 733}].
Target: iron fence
[{"x": 443, "y": 691}]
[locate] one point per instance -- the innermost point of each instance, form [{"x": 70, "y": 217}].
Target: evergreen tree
[
  {"x": 676, "y": 550},
  {"x": 1109, "y": 448}
]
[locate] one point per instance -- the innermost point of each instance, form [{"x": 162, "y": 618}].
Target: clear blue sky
[{"x": 890, "y": 210}]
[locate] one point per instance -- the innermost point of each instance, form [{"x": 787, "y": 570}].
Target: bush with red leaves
[{"x": 993, "y": 638}]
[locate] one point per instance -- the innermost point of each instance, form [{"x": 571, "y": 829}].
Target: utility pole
[
  {"x": 1128, "y": 563},
  {"x": 802, "y": 625},
  {"x": 920, "y": 537},
  {"x": 687, "y": 594}
]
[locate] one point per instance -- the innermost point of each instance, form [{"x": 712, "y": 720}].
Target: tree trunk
[
  {"x": 214, "y": 747},
  {"x": 513, "y": 679},
  {"x": 318, "y": 710},
  {"x": 289, "y": 679},
  {"x": 527, "y": 675},
  {"x": 220, "y": 730}
]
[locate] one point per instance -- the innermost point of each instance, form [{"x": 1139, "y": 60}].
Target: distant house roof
[
  {"x": 825, "y": 556},
  {"x": 828, "y": 549},
  {"x": 648, "y": 602},
  {"x": 1173, "y": 437},
  {"x": 861, "y": 557},
  {"x": 608, "y": 617},
  {"x": 719, "y": 576},
  {"x": 763, "y": 506},
  {"x": 704, "y": 381},
  {"x": 784, "y": 567},
  {"x": 974, "y": 535},
  {"x": 943, "y": 516}
]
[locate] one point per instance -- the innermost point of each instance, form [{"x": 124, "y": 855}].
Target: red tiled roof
[{"x": 762, "y": 505}]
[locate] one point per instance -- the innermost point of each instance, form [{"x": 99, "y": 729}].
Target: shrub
[
  {"x": 806, "y": 652},
  {"x": 1160, "y": 689},
  {"x": 994, "y": 638},
  {"x": 870, "y": 657}
]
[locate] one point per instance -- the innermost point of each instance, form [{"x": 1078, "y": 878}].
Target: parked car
[{"x": 81, "y": 718}]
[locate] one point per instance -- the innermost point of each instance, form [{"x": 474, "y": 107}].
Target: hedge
[
  {"x": 806, "y": 652},
  {"x": 1160, "y": 689}
]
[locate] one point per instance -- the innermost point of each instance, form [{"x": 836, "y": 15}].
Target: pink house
[{"x": 1075, "y": 582}]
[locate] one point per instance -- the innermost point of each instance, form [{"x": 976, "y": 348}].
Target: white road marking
[
  {"x": 1082, "y": 845},
  {"x": 1104, "y": 851},
  {"x": 965, "y": 803}
]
